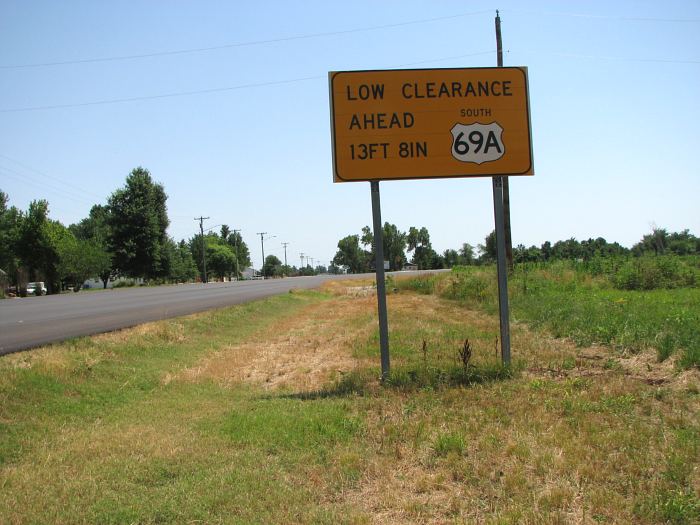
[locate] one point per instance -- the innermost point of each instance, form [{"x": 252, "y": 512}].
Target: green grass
[
  {"x": 584, "y": 308},
  {"x": 95, "y": 376}
]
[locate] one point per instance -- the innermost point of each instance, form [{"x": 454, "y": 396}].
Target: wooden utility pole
[
  {"x": 506, "y": 190},
  {"x": 204, "y": 251},
  {"x": 285, "y": 244},
  {"x": 235, "y": 246}
]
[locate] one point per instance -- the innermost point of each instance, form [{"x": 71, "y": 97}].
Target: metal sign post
[
  {"x": 381, "y": 285},
  {"x": 502, "y": 272}
]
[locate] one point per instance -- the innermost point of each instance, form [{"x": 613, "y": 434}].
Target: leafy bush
[{"x": 650, "y": 273}]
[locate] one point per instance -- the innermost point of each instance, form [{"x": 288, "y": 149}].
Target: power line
[
  {"x": 242, "y": 44},
  {"x": 67, "y": 194},
  {"x": 317, "y": 77},
  {"x": 166, "y": 95},
  {"x": 612, "y": 58},
  {"x": 603, "y": 17},
  {"x": 215, "y": 90},
  {"x": 39, "y": 172}
]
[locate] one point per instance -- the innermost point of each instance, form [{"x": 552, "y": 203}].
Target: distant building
[
  {"x": 410, "y": 267},
  {"x": 249, "y": 273}
]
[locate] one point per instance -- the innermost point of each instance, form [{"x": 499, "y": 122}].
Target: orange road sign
[{"x": 430, "y": 123}]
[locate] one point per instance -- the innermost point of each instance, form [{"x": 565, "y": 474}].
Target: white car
[{"x": 33, "y": 288}]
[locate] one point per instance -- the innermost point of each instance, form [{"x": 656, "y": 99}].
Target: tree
[
  {"x": 466, "y": 254},
  {"x": 35, "y": 248},
  {"x": 272, "y": 267},
  {"x": 394, "y": 246},
  {"x": 240, "y": 251},
  {"x": 350, "y": 255},
  {"x": 195, "y": 245},
  {"x": 660, "y": 241},
  {"x": 220, "y": 258},
  {"x": 95, "y": 230},
  {"x": 418, "y": 241},
  {"x": 451, "y": 258},
  {"x": 10, "y": 219},
  {"x": 78, "y": 259},
  {"x": 489, "y": 252},
  {"x": 138, "y": 220},
  {"x": 182, "y": 265},
  {"x": 569, "y": 249},
  {"x": 521, "y": 254},
  {"x": 225, "y": 232},
  {"x": 546, "y": 250}
]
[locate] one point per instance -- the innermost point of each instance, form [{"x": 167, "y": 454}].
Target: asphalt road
[{"x": 34, "y": 321}]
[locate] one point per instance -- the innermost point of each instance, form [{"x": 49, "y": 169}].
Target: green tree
[
  {"x": 660, "y": 242},
  {"x": 182, "y": 265},
  {"x": 418, "y": 241},
  {"x": 394, "y": 246},
  {"x": 489, "y": 252},
  {"x": 350, "y": 255},
  {"x": 10, "y": 219},
  {"x": 272, "y": 267},
  {"x": 138, "y": 220},
  {"x": 78, "y": 259},
  {"x": 521, "y": 254},
  {"x": 35, "y": 247},
  {"x": 225, "y": 232},
  {"x": 220, "y": 259},
  {"x": 240, "y": 251},
  {"x": 466, "y": 254},
  {"x": 195, "y": 245},
  {"x": 95, "y": 230},
  {"x": 451, "y": 257}
]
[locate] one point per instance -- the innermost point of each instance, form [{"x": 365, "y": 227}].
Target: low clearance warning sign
[{"x": 430, "y": 123}]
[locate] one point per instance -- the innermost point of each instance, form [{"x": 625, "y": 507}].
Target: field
[{"x": 271, "y": 412}]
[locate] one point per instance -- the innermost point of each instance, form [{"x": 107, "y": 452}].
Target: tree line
[
  {"x": 127, "y": 237},
  {"x": 356, "y": 252}
]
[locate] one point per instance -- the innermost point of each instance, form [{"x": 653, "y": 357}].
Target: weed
[
  {"x": 465, "y": 354},
  {"x": 449, "y": 444}
]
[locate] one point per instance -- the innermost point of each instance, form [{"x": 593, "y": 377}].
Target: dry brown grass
[{"x": 306, "y": 352}]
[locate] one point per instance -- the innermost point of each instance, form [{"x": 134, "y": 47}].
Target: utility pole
[
  {"x": 285, "y": 244},
  {"x": 204, "y": 251},
  {"x": 506, "y": 189},
  {"x": 262, "y": 246},
  {"x": 235, "y": 247}
]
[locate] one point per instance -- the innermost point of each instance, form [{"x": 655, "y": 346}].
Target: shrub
[{"x": 653, "y": 272}]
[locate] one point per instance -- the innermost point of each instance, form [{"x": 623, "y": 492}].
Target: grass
[
  {"x": 272, "y": 412},
  {"x": 585, "y": 308}
]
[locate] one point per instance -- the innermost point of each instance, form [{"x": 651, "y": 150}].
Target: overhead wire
[
  {"x": 317, "y": 77},
  {"x": 243, "y": 44},
  {"x": 617, "y": 18},
  {"x": 39, "y": 172},
  {"x": 8, "y": 172},
  {"x": 613, "y": 58}
]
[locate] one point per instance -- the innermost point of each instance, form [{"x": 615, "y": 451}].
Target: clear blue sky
[{"x": 613, "y": 90}]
